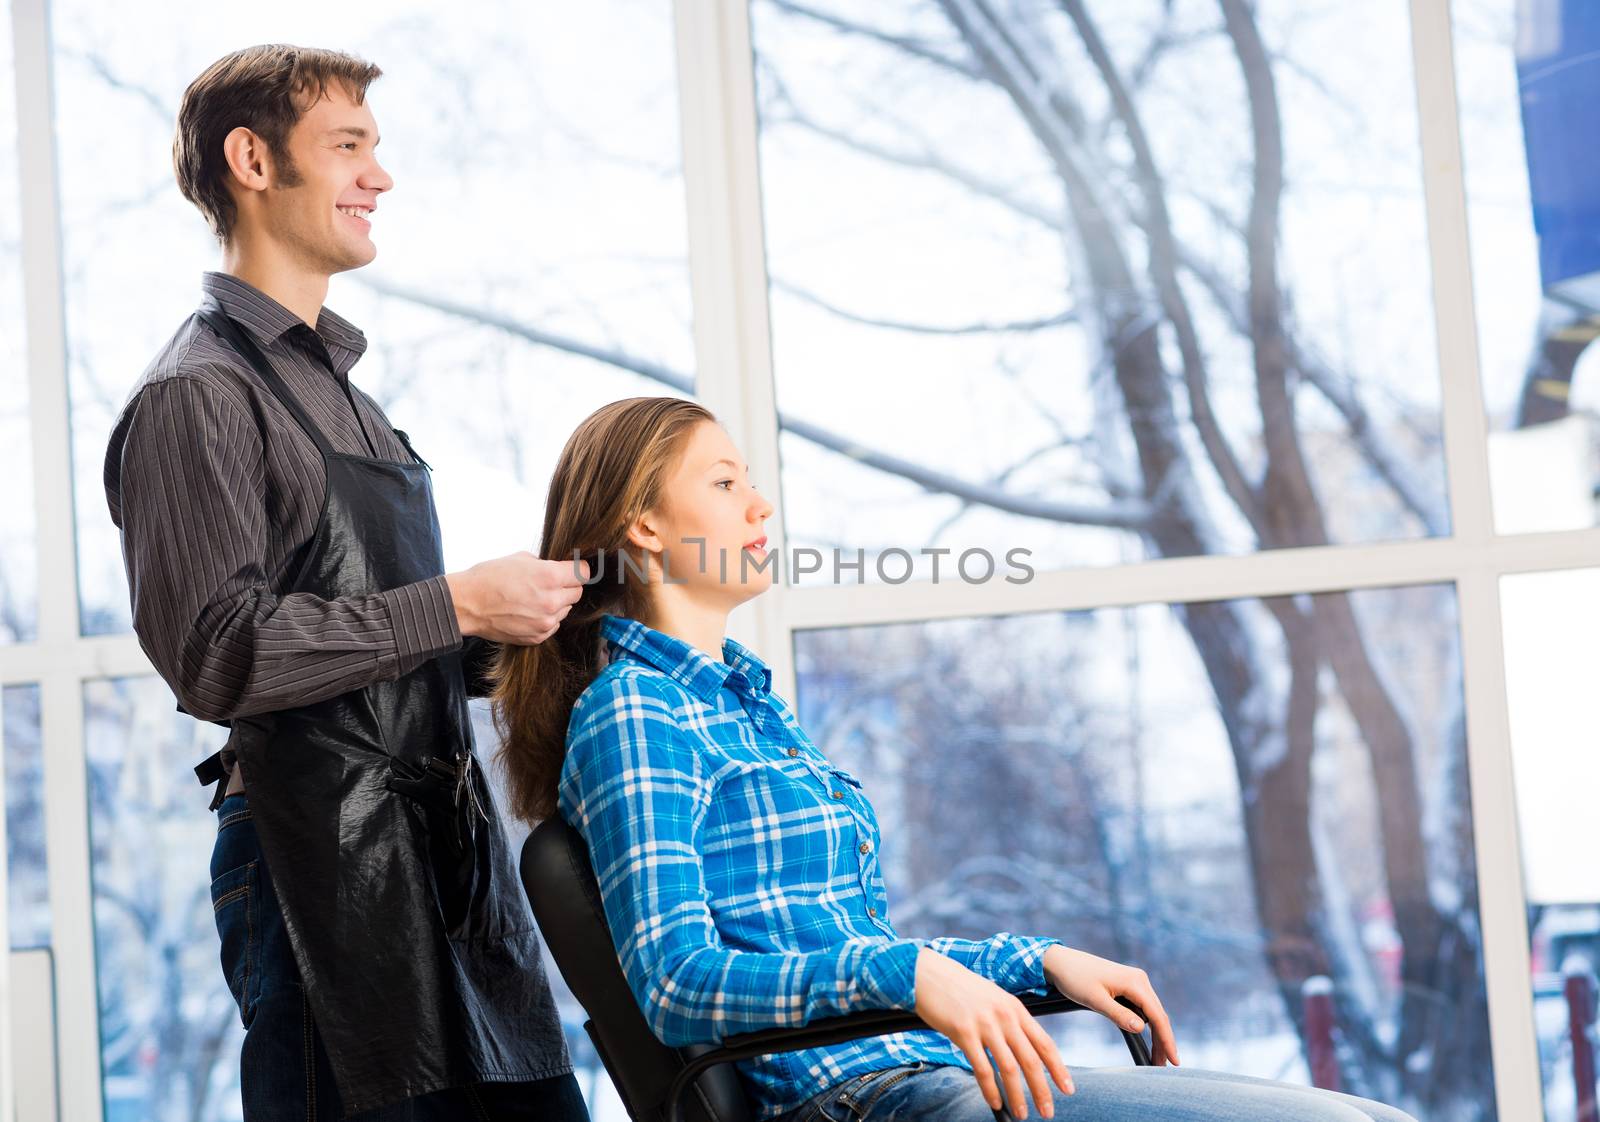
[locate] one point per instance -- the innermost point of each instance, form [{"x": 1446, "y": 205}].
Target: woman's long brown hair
[{"x": 613, "y": 469}]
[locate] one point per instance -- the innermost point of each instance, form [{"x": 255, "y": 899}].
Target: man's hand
[
  {"x": 519, "y": 599},
  {"x": 1098, "y": 982},
  {"x": 976, "y": 1015}
]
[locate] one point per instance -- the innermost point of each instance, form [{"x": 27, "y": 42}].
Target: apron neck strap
[{"x": 224, "y": 325}]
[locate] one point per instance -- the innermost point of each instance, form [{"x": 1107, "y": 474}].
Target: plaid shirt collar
[{"x": 740, "y": 670}]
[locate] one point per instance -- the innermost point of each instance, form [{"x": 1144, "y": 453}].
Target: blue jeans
[
  {"x": 1104, "y": 1094},
  {"x": 284, "y": 1073}
]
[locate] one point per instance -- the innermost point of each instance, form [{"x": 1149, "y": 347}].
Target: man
[{"x": 286, "y": 574}]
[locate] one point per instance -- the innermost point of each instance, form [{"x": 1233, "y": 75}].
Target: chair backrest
[{"x": 566, "y": 901}]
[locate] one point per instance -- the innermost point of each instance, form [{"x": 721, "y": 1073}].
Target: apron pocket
[{"x": 236, "y": 903}]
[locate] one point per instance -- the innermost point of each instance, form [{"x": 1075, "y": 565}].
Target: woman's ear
[{"x": 642, "y": 532}]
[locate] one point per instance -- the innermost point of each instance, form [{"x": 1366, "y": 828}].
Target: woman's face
[{"x": 708, "y": 525}]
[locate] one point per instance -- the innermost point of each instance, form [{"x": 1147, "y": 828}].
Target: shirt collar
[
  {"x": 268, "y": 320},
  {"x": 703, "y": 675}
]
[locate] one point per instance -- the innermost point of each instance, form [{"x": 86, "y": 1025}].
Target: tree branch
[
  {"x": 979, "y": 328},
  {"x": 1124, "y": 515},
  {"x": 101, "y": 68},
  {"x": 928, "y": 159},
  {"x": 1338, "y": 390},
  {"x": 1164, "y": 270},
  {"x": 916, "y": 48},
  {"x": 644, "y": 367}
]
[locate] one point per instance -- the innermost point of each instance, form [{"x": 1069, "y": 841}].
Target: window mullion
[
  {"x": 716, "y": 87},
  {"x": 61, "y": 712}
]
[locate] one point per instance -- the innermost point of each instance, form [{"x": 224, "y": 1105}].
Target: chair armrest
[{"x": 857, "y": 1026}]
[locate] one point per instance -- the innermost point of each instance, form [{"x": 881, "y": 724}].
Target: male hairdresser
[{"x": 285, "y": 566}]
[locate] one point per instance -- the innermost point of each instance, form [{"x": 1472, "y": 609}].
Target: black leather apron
[{"x": 410, "y": 930}]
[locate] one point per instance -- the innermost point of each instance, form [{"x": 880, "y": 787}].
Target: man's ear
[{"x": 249, "y": 161}]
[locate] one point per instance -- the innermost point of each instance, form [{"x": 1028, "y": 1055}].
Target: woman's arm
[
  {"x": 638, "y": 790},
  {"x": 1015, "y": 963}
]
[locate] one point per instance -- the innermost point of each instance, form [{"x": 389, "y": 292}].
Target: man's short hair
[{"x": 266, "y": 89}]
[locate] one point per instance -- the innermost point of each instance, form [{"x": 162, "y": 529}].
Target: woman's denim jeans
[{"x": 1121, "y": 1094}]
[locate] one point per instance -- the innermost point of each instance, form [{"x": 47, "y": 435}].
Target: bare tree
[{"x": 1133, "y": 284}]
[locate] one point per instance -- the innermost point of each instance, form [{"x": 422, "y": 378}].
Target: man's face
[{"x": 321, "y": 206}]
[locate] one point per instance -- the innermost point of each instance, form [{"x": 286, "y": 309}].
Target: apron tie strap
[{"x": 209, "y": 771}]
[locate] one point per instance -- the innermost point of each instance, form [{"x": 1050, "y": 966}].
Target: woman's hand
[
  {"x": 1098, "y": 982},
  {"x": 976, "y": 1014}
]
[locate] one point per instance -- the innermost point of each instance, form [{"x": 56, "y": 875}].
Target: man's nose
[{"x": 375, "y": 178}]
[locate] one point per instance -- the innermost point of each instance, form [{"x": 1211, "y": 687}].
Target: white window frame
[{"x": 734, "y": 378}]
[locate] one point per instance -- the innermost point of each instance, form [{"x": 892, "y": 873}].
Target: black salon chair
[{"x": 651, "y": 1077}]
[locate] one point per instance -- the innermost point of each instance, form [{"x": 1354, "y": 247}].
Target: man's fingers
[
  {"x": 1049, "y": 1053},
  {"x": 556, "y": 607},
  {"x": 563, "y": 597},
  {"x": 1024, "y": 1048},
  {"x": 562, "y": 574}
]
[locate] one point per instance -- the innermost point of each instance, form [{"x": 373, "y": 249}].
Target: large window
[
  {"x": 1131, "y": 280},
  {"x": 1150, "y": 784},
  {"x": 168, "y": 1025},
  {"x": 1149, "y": 289},
  {"x": 28, "y": 893},
  {"x": 1529, "y": 73},
  {"x": 18, "y": 575},
  {"x": 1548, "y": 688}
]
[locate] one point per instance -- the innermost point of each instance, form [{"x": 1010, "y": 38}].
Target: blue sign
[{"x": 1558, "y": 76}]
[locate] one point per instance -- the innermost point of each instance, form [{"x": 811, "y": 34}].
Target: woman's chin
[{"x": 751, "y": 584}]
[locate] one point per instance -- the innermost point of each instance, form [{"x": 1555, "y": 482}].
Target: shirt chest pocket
[
  {"x": 847, "y": 789},
  {"x": 841, "y": 784},
  {"x": 789, "y": 784},
  {"x": 812, "y": 784}
]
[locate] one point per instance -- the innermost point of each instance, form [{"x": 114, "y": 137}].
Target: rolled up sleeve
[{"x": 191, "y": 502}]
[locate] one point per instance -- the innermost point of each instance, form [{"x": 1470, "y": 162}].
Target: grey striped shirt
[{"x": 216, "y": 488}]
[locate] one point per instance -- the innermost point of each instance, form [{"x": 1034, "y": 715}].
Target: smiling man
[{"x": 286, "y": 572}]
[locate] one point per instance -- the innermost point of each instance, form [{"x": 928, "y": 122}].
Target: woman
[{"x": 739, "y": 868}]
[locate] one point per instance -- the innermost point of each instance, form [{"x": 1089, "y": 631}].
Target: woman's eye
[{"x": 720, "y": 482}]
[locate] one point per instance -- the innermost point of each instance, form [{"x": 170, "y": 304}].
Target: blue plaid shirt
[{"x": 739, "y": 868}]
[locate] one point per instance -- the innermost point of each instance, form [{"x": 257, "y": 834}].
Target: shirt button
[
  {"x": 838, "y": 794},
  {"x": 873, "y": 912},
  {"x": 793, "y": 752},
  {"x": 865, "y": 847}
]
